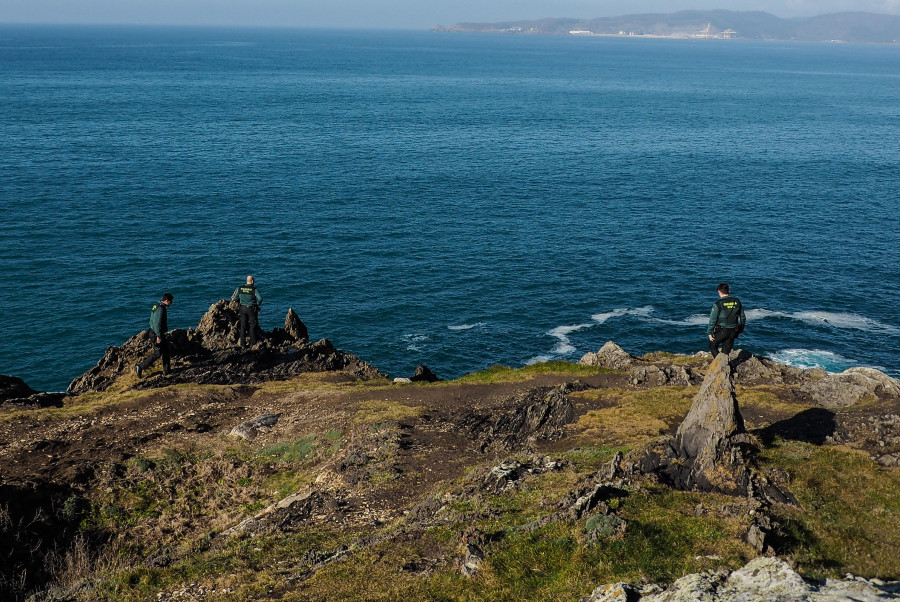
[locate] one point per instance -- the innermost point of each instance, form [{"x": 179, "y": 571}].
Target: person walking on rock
[
  {"x": 249, "y": 298},
  {"x": 159, "y": 326},
  {"x": 726, "y": 321}
]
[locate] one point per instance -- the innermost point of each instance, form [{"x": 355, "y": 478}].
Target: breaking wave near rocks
[{"x": 770, "y": 333}]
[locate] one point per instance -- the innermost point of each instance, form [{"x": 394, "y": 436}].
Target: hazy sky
[{"x": 381, "y": 14}]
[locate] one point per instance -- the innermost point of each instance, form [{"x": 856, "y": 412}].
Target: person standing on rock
[
  {"x": 726, "y": 321},
  {"x": 249, "y": 298},
  {"x": 159, "y": 326}
]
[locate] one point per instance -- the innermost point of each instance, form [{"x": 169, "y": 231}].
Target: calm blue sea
[{"x": 454, "y": 200}]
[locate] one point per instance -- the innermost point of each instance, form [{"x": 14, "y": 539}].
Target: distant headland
[{"x": 851, "y": 28}]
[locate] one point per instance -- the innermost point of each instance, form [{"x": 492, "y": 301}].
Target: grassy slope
[{"x": 170, "y": 505}]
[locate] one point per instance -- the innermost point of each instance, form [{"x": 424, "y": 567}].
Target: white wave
[
  {"x": 561, "y": 333},
  {"x": 538, "y": 359},
  {"x": 843, "y": 321},
  {"x": 695, "y": 320},
  {"x": 414, "y": 341},
  {"x": 812, "y": 358},
  {"x": 637, "y": 311},
  {"x": 466, "y": 326}
]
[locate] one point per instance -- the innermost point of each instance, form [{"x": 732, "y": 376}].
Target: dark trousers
[
  {"x": 160, "y": 350},
  {"x": 248, "y": 319},
  {"x": 724, "y": 337}
]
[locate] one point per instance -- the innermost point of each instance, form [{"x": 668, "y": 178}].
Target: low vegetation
[{"x": 402, "y": 491}]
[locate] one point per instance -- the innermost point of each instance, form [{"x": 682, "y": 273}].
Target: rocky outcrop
[
  {"x": 208, "y": 355},
  {"x": 710, "y": 447},
  {"x": 760, "y": 579},
  {"x": 609, "y": 356},
  {"x": 850, "y": 387},
  {"x": 540, "y": 414},
  {"x": 714, "y": 416}
]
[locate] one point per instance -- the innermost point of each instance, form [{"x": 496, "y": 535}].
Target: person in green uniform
[
  {"x": 250, "y": 299},
  {"x": 159, "y": 326},
  {"x": 726, "y": 321}
]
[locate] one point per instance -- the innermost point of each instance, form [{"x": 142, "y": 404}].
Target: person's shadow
[{"x": 814, "y": 426}]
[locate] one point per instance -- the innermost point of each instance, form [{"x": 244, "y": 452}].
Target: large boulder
[{"x": 850, "y": 387}]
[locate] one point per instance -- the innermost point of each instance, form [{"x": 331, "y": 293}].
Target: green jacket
[
  {"x": 248, "y": 295},
  {"x": 727, "y": 313},
  {"x": 159, "y": 319}
]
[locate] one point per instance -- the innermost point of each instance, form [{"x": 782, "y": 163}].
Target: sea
[{"x": 454, "y": 200}]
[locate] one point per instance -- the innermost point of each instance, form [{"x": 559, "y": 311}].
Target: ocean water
[{"x": 453, "y": 200}]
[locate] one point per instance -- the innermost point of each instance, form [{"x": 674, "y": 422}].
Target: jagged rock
[
  {"x": 760, "y": 579},
  {"x": 295, "y": 327},
  {"x": 295, "y": 508},
  {"x": 850, "y": 387},
  {"x": 251, "y": 428},
  {"x": 709, "y": 451},
  {"x": 660, "y": 376},
  {"x": 609, "y": 356},
  {"x": 596, "y": 499},
  {"x": 473, "y": 540},
  {"x": 207, "y": 355},
  {"x": 714, "y": 415},
  {"x": 218, "y": 328},
  {"x": 424, "y": 375},
  {"x": 509, "y": 473}
]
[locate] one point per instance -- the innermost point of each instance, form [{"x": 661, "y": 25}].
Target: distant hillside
[{"x": 859, "y": 28}]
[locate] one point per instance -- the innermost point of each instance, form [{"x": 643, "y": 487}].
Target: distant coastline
[{"x": 851, "y": 28}]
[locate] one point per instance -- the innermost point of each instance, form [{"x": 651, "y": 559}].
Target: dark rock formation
[
  {"x": 424, "y": 375},
  {"x": 12, "y": 388},
  {"x": 14, "y": 391},
  {"x": 541, "y": 413},
  {"x": 294, "y": 327},
  {"x": 208, "y": 355}
]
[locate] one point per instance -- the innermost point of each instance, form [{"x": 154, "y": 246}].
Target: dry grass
[
  {"x": 632, "y": 417},
  {"x": 373, "y": 412}
]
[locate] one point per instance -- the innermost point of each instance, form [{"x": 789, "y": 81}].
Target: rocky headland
[{"x": 295, "y": 470}]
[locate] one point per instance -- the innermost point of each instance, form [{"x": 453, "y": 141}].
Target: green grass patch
[{"x": 850, "y": 515}]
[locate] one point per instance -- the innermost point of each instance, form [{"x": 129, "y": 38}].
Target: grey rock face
[
  {"x": 251, "y": 428},
  {"x": 850, "y": 387},
  {"x": 542, "y": 413},
  {"x": 714, "y": 415},
  {"x": 760, "y": 579}
]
